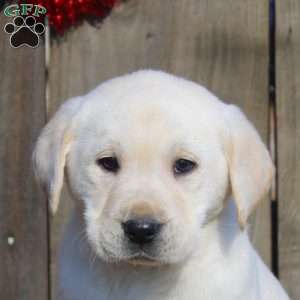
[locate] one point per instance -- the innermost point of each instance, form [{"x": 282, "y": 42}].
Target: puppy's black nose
[{"x": 141, "y": 231}]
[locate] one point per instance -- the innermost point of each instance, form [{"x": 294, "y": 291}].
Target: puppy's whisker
[
  {"x": 81, "y": 239},
  {"x": 80, "y": 236},
  {"x": 92, "y": 260}
]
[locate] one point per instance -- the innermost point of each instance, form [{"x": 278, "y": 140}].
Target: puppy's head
[{"x": 152, "y": 158}]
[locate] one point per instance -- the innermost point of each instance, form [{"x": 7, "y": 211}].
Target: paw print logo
[{"x": 24, "y": 32}]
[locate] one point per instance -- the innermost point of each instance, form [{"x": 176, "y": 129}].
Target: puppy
[{"x": 164, "y": 177}]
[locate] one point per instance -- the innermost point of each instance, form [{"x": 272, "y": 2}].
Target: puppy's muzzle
[{"x": 141, "y": 230}]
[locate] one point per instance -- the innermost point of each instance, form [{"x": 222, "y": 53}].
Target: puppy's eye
[
  {"x": 109, "y": 164},
  {"x": 183, "y": 166}
]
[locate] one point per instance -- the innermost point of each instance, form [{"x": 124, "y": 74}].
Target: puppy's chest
[
  {"x": 139, "y": 286},
  {"x": 113, "y": 289},
  {"x": 136, "y": 292}
]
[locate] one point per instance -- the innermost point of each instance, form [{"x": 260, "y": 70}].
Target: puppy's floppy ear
[
  {"x": 51, "y": 149},
  {"x": 250, "y": 166}
]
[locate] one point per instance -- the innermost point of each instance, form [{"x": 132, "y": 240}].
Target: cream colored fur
[{"x": 147, "y": 120}]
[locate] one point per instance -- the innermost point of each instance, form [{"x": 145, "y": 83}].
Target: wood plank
[
  {"x": 221, "y": 45},
  {"x": 23, "y": 210},
  {"x": 288, "y": 111}
]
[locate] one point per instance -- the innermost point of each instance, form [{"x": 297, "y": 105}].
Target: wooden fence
[{"x": 223, "y": 45}]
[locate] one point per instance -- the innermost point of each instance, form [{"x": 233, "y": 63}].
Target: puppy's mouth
[{"x": 143, "y": 259}]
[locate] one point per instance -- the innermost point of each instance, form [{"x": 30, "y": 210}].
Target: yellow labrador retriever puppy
[{"x": 164, "y": 176}]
